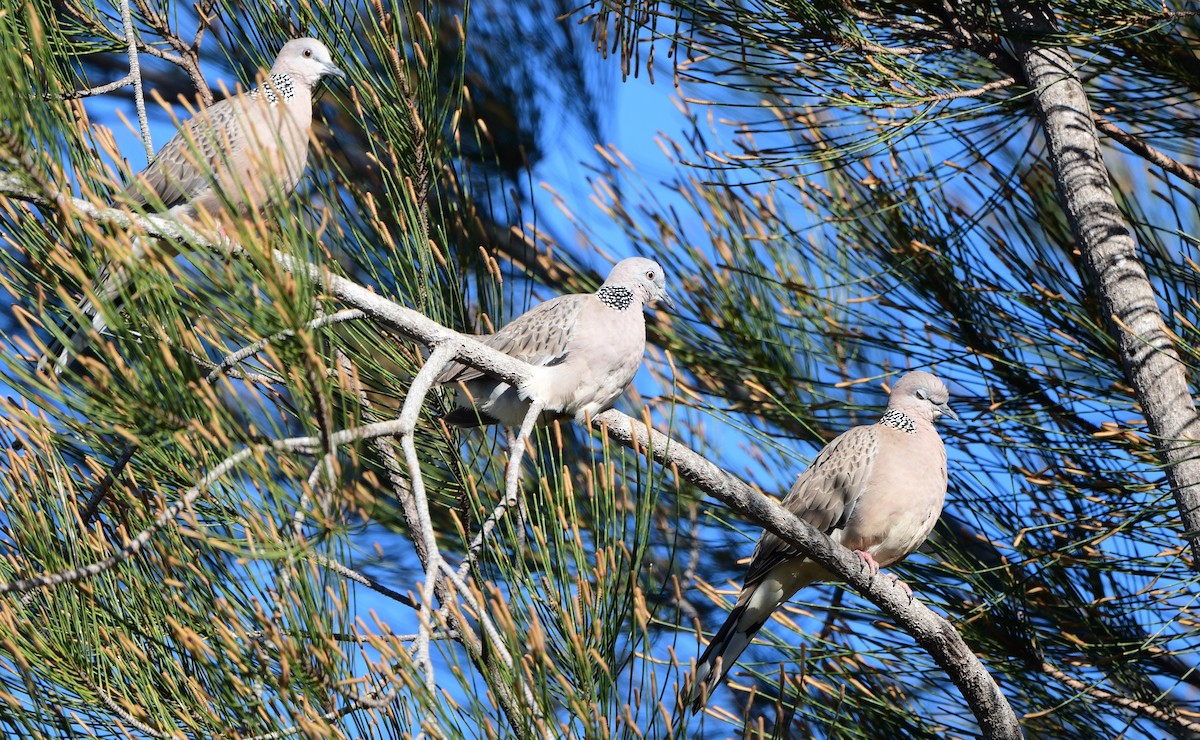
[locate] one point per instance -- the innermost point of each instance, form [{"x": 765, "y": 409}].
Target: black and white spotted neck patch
[
  {"x": 897, "y": 419},
  {"x": 616, "y": 297},
  {"x": 279, "y": 85}
]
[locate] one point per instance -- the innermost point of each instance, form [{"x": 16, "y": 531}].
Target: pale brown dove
[
  {"x": 585, "y": 349},
  {"x": 245, "y": 151},
  {"x": 876, "y": 489}
]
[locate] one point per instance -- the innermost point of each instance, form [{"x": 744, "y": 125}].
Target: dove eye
[
  {"x": 921, "y": 394},
  {"x": 650, "y": 274},
  {"x": 308, "y": 52}
]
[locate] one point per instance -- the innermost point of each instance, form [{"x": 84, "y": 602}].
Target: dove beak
[
  {"x": 945, "y": 409},
  {"x": 664, "y": 298},
  {"x": 333, "y": 70}
]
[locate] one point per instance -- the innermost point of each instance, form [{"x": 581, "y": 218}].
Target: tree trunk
[{"x": 1151, "y": 363}]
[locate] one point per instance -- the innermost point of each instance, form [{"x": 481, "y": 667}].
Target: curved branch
[{"x": 937, "y": 636}]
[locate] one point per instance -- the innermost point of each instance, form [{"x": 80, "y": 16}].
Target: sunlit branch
[
  {"x": 1140, "y": 707},
  {"x": 937, "y": 636},
  {"x": 409, "y": 414},
  {"x": 135, "y": 76}
]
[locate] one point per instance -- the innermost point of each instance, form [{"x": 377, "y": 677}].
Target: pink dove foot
[{"x": 868, "y": 561}]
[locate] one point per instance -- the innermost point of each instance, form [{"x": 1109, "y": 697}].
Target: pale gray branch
[
  {"x": 933, "y": 633},
  {"x": 135, "y": 76},
  {"x": 1152, "y": 364}
]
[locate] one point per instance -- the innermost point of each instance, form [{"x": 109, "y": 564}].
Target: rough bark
[{"x": 1152, "y": 365}]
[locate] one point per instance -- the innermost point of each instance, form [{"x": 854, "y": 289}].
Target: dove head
[
  {"x": 642, "y": 276},
  {"x": 921, "y": 395},
  {"x": 307, "y": 61}
]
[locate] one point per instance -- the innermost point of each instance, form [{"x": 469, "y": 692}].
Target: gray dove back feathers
[{"x": 585, "y": 349}]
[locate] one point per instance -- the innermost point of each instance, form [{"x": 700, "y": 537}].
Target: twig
[
  {"x": 135, "y": 545},
  {"x": 135, "y": 75},
  {"x": 204, "y": 13},
  {"x": 1147, "y": 152},
  {"x": 489, "y": 626},
  {"x": 249, "y": 376},
  {"x": 103, "y": 31},
  {"x": 455, "y": 628},
  {"x": 373, "y": 699},
  {"x": 122, "y": 713},
  {"x": 1140, "y": 707},
  {"x": 307, "y": 726},
  {"x": 973, "y": 92},
  {"x": 252, "y": 349},
  {"x": 516, "y": 455},
  {"x": 512, "y": 487},
  {"x": 497, "y": 644},
  {"x": 359, "y": 577},
  {"x": 92, "y": 508},
  {"x": 409, "y": 414},
  {"x": 91, "y": 91}
]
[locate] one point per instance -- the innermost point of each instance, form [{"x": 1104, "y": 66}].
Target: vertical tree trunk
[{"x": 1151, "y": 363}]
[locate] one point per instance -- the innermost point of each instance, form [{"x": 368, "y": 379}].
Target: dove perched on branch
[
  {"x": 585, "y": 349},
  {"x": 243, "y": 152},
  {"x": 876, "y": 489}
]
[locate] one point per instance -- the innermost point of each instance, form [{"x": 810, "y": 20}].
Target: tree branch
[
  {"x": 1152, "y": 364},
  {"x": 135, "y": 76},
  {"x": 1145, "y": 151},
  {"x": 1140, "y": 707},
  {"x": 934, "y": 634}
]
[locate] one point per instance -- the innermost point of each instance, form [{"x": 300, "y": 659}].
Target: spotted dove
[
  {"x": 876, "y": 489},
  {"x": 585, "y": 349},
  {"x": 245, "y": 151}
]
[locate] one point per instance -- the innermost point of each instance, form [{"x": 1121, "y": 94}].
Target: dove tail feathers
[
  {"x": 108, "y": 286},
  {"x": 746, "y": 619},
  {"x": 468, "y": 416},
  {"x": 60, "y": 356}
]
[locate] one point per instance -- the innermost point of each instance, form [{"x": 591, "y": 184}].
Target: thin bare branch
[
  {"x": 349, "y": 573},
  {"x": 1140, "y": 707},
  {"x": 135, "y": 76},
  {"x": 1139, "y": 147},
  {"x": 250, "y": 350},
  {"x": 92, "y": 91}
]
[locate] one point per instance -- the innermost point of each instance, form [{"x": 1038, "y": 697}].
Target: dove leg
[
  {"x": 868, "y": 561},
  {"x": 895, "y": 579}
]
